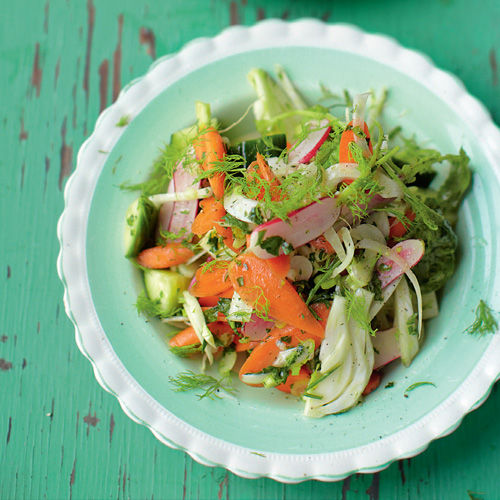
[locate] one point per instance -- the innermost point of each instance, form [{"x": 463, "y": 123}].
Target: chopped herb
[
  {"x": 232, "y": 221},
  {"x": 221, "y": 307},
  {"x": 389, "y": 385},
  {"x": 484, "y": 322},
  {"x": 259, "y": 454},
  {"x": 415, "y": 385},
  {"x": 240, "y": 280},
  {"x": 412, "y": 324},
  {"x": 124, "y": 121}
]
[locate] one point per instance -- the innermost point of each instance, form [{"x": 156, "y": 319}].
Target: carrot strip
[
  {"x": 279, "y": 265},
  {"x": 347, "y": 137},
  {"x": 209, "y": 217},
  {"x": 266, "y": 353},
  {"x": 188, "y": 336},
  {"x": 397, "y": 229},
  {"x": 259, "y": 171},
  {"x": 210, "y": 214},
  {"x": 260, "y": 288},
  {"x": 323, "y": 311},
  {"x": 184, "y": 338},
  {"x": 296, "y": 384},
  {"x": 161, "y": 257},
  {"x": 209, "y": 147},
  {"x": 211, "y": 281},
  {"x": 212, "y": 300},
  {"x": 244, "y": 346}
]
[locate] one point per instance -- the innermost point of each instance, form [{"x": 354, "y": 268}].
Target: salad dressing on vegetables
[{"x": 309, "y": 257}]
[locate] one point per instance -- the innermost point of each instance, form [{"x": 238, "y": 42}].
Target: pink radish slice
[
  {"x": 257, "y": 328},
  {"x": 179, "y": 214},
  {"x": 304, "y": 225},
  {"x": 411, "y": 251},
  {"x": 306, "y": 150},
  {"x": 386, "y": 347}
]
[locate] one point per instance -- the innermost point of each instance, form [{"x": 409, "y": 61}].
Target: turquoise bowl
[{"x": 257, "y": 433}]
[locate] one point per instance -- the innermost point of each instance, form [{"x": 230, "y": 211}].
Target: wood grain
[{"x": 61, "y": 434}]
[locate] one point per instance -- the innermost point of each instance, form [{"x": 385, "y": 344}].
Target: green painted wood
[{"x": 61, "y": 434}]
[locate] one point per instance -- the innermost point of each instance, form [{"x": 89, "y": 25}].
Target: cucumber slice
[
  {"x": 140, "y": 226},
  {"x": 165, "y": 287},
  {"x": 271, "y": 145}
]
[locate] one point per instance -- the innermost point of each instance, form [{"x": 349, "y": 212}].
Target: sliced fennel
[
  {"x": 342, "y": 389},
  {"x": 407, "y": 336}
]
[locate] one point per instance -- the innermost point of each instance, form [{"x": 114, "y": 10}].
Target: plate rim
[{"x": 90, "y": 337}]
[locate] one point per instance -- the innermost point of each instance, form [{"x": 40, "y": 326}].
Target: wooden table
[{"x": 62, "y": 62}]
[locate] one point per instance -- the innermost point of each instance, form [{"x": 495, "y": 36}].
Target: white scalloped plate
[{"x": 261, "y": 433}]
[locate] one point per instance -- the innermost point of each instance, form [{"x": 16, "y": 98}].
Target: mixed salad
[{"x": 304, "y": 259}]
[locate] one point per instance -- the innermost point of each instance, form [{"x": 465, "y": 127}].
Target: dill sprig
[
  {"x": 356, "y": 309},
  {"x": 189, "y": 381},
  {"x": 484, "y": 322}
]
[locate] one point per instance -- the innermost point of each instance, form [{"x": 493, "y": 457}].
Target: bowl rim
[{"x": 91, "y": 338}]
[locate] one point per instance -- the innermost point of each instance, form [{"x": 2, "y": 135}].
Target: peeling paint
[
  {"x": 4, "y": 338},
  {"x": 233, "y": 14},
  {"x": 90, "y": 420},
  {"x": 261, "y": 13},
  {"x": 66, "y": 156},
  {"x": 373, "y": 490},
  {"x": 23, "y": 168},
  {"x": 90, "y": 34},
  {"x": 402, "y": 471},
  {"x": 494, "y": 67},
  {"x": 111, "y": 428},
  {"x": 24, "y": 363},
  {"x": 46, "y": 17},
  {"x": 72, "y": 479},
  {"x": 326, "y": 16},
  {"x": 223, "y": 485},
  {"x": 5, "y": 365},
  {"x": 346, "y": 486},
  {"x": 9, "y": 429},
  {"x": 285, "y": 15},
  {"x": 56, "y": 71},
  {"x": 23, "y": 134},
  {"x": 147, "y": 37},
  {"x": 36, "y": 74},
  {"x": 117, "y": 60},
  {"x": 103, "y": 84},
  {"x": 8, "y": 272}
]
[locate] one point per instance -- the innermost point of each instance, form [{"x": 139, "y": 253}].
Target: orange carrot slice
[
  {"x": 188, "y": 336},
  {"x": 209, "y": 147},
  {"x": 213, "y": 300},
  {"x": 162, "y": 257},
  {"x": 209, "y": 217},
  {"x": 260, "y": 288},
  {"x": 296, "y": 384},
  {"x": 259, "y": 171},
  {"x": 347, "y": 137},
  {"x": 279, "y": 265},
  {"x": 397, "y": 229},
  {"x": 211, "y": 281},
  {"x": 266, "y": 353}
]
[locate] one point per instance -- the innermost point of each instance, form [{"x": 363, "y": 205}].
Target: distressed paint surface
[{"x": 61, "y": 434}]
